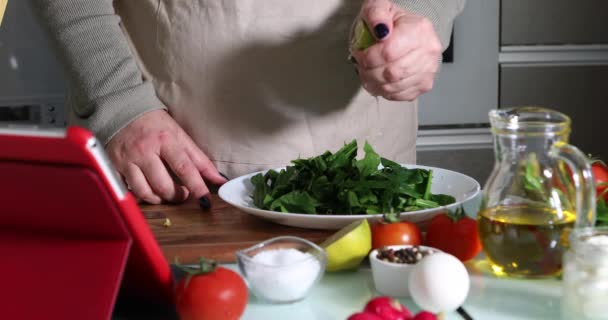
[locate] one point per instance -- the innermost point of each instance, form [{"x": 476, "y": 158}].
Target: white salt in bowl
[
  {"x": 390, "y": 278},
  {"x": 282, "y": 269}
]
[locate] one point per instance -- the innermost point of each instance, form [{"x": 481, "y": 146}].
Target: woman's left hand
[{"x": 402, "y": 64}]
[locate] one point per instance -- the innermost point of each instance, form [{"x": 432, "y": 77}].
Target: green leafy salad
[{"x": 339, "y": 184}]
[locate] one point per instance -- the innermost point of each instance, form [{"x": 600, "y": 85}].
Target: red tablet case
[{"x": 70, "y": 235}]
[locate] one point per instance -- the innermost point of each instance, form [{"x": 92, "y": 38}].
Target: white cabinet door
[
  {"x": 551, "y": 22},
  {"x": 467, "y": 89},
  {"x": 576, "y": 90}
]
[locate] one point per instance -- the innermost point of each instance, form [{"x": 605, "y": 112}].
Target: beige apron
[{"x": 257, "y": 83}]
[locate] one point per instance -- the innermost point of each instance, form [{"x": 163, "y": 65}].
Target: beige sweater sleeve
[
  {"x": 441, "y": 13},
  {"x": 107, "y": 90}
]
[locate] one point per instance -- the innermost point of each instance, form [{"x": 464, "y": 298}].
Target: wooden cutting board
[{"x": 215, "y": 234}]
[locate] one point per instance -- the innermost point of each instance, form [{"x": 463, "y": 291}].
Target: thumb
[{"x": 378, "y": 15}]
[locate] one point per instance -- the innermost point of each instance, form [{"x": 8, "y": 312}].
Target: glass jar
[
  {"x": 539, "y": 190},
  {"x": 585, "y": 275},
  {"x": 282, "y": 269}
]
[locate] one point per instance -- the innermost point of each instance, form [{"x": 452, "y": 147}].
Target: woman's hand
[
  {"x": 402, "y": 64},
  {"x": 140, "y": 151}
]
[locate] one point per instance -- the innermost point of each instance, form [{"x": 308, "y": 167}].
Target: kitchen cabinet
[
  {"x": 576, "y": 90},
  {"x": 525, "y": 22},
  {"x": 554, "y": 53},
  {"x": 550, "y": 53}
]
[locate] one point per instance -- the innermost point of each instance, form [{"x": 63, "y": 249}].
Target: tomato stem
[
  {"x": 204, "y": 266},
  {"x": 390, "y": 217},
  {"x": 596, "y": 160},
  {"x": 456, "y": 214}
]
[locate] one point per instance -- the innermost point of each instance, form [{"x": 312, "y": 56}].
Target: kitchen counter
[
  {"x": 216, "y": 233},
  {"x": 222, "y": 230}
]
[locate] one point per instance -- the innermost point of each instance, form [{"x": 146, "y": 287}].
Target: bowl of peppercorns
[{"x": 391, "y": 267}]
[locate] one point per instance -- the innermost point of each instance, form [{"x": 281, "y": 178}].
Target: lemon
[
  {"x": 362, "y": 38},
  {"x": 348, "y": 247}
]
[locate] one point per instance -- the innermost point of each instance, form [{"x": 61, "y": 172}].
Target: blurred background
[{"x": 551, "y": 53}]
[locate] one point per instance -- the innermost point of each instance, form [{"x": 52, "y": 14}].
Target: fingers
[
  {"x": 417, "y": 82},
  {"x": 205, "y": 166},
  {"x": 160, "y": 161},
  {"x": 403, "y": 66},
  {"x": 409, "y": 94},
  {"x": 394, "y": 72},
  {"x": 386, "y": 52},
  {"x": 411, "y": 34},
  {"x": 183, "y": 167},
  {"x": 406, "y": 90},
  {"x": 139, "y": 185},
  {"x": 409, "y": 70},
  {"x": 161, "y": 182},
  {"x": 378, "y": 15}
]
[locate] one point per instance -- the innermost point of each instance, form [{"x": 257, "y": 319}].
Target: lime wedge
[
  {"x": 362, "y": 37},
  {"x": 347, "y": 248}
]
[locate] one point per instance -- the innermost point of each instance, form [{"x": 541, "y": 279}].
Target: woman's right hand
[{"x": 145, "y": 150}]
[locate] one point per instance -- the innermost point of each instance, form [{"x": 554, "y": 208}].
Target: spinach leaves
[{"x": 339, "y": 184}]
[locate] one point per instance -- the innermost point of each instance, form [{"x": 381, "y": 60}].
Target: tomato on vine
[
  {"x": 600, "y": 175},
  {"x": 390, "y": 231},
  {"x": 454, "y": 233},
  {"x": 210, "y": 293}
]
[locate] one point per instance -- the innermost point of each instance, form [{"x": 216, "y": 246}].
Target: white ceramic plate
[{"x": 237, "y": 192}]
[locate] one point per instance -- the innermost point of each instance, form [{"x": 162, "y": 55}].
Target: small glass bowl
[
  {"x": 585, "y": 275},
  {"x": 390, "y": 278},
  {"x": 289, "y": 281}
]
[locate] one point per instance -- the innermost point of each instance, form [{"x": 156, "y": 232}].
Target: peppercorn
[{"x": 409, "y": 255}]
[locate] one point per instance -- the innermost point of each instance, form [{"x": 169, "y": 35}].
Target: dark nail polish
[
  {"x": 204, "y": 203},
  {"x": 381, "y": 30},
  {"x": 225, "y": 176}
]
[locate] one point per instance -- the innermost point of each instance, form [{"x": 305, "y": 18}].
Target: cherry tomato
[
  {"x": 395, "y": 233},
  {"x": 425, "y": 315},
  {"x": 454, "y": 233},
  {"x": 387, "y": 308},
  {"x": 364, "y": 316},
  {"x": 211, "y": 293},
  {"x": 600, "y": 175}
]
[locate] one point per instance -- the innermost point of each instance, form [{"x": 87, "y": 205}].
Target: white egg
[{"x": 439, "y": 283}]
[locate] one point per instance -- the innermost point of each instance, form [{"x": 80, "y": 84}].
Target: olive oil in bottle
[{"x": 525, "y": 241}]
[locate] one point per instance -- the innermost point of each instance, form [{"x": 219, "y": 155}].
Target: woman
[{"x": 182, "y": 88}]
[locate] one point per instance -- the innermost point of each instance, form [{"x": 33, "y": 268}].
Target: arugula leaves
[{"x": 338, "y": 183}]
